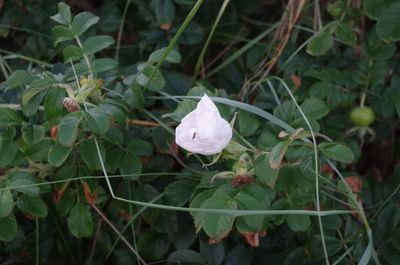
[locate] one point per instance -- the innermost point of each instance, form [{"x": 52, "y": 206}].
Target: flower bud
[{"x": 71, "y": 104}]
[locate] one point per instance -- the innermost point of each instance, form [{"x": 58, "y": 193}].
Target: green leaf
[
  {"x": 130, "y": 164},
  {"x": 23, "y": 182},
  {"x": 378, "y": 50},
  {"x": 185, "y": 256},
  {"x": 140, "y": 147},
  {"x": 33, "y": 206},
  {"x": 53, "y": 103},
  {"x": 313, "y": 109},
  {"x": 298, "y": 223},
  {"x": 32, "y": 106},
  {"x": 39, "y": 152},
  {"x": 9, "y": 148},
  {"x": 65, "y": 12},
  {"x": 179, "y": 192},
  {"x": 388, "y": 25},
  {"x": 248, "y": 202},
  {"x": 248, "y": 124},
  {"x": 134, "y": 97},
  {"x": 184, "y": 107},
  {"x": 28, "y": 95},
  {"x": 165, "y": 12},
  {"x": 8, "y": 228},
  {"x": 104, "y": 64},
  {"x": 82, "y": 22},
  {"x": 68, "y": 129},
  {"x": 80, "y": 221},
  {"x": 97, "y": 120},
  {"x": 320, "y": 44},
  {"x": 96, "y": 44},
  {"x": 6, "y": 202},
  {"x": 18, "y": 78},
  {"x": 9, "y": 118},
  {"x": 333, "y": 245},
  {"x": 114, "y": 111},
  {"x": 157, "y": 81},
  {"x": 89, "y": 154},
  {"x": 33, "y": 134},
  {"x": 58, "y": 154},
  {"x": 345, "y": 32},
  {"x": 72, "y": 53},
  {"x": 338, "y": 152},
  {"x": 265, "y": 174},
  {"x": 62, "y": 33},
  {"x": 277, "y": 154},
  {"x": 216, "y": 226},
  {"x": 375, "y": 8},
  {"x": 172, "y": 57}
]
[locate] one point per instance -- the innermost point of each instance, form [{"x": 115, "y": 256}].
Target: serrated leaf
[
  {"x": 80, "y": 221},
  {"x": 345, "y": 32},
  {"x": 96, "y": 44},
  {"x": 68, "y": 129},
  {"x": 184, "y": 107},
  {"x": 32, "y": 106},
  {"x": 140, "y": 147},
  {"x": 72, "y": 53},
  {"x": 58, "y": 154},
  {"x": 388, "y": 24},
  {"x": 6, "y": 202},
  {"x": 130, "y": 164},
  {"x": 23, "y": 182},
  {"x": 185, "y": 256},
  {"x": 337, "y": 152},
  {"x": 62, "y": 33},
  {"x": 104, "y": 64},
  {"x": 216, "y": 226},
  {"x": 157, "y": 81},
  {"x": 9, "y": 148},
  {"x": 53, "y": 103},
  {"x": 298, "y": 223},
  {"x": 9, "y": 118},
  {"x": 65, "y": 12},
  {"x": 265, "y": 174},
  {"x": 18, "y": 78},
  {"x": 320, "y": 44},
  {"x": 8, "y": 228},
  {"x": 97, "y": 120},
  {"x": 277, "y": 154},
  {"x": 89, "y": 154},
  {"x": 375, "y": 8},
  {"x": 33, "y": 134},
  {"x": 172, "y": 57},
  {"x": 179, "y": 192},
  {"x": 82, "y": 22},
  {"x": 248, "y": 124},
  {"x": 32, "y": 205}
]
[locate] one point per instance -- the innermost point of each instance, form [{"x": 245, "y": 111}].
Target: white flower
[{"x": 203, "y": 131}]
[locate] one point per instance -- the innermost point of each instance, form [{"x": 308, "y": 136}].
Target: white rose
[{"x": 203, "y": 131}]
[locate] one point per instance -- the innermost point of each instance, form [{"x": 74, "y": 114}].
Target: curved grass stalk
[
  {"x": 316, "y": 168},
  {"x": 175, "y": 39},
  {"x": 200, "y": 60},
  {"x": 13, "y": 55},
  {"x": 121, "y": 29}
]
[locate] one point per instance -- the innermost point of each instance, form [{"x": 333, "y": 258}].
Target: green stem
[
  {"x": 200, "y": 60},
  {"x": 121, "y": 28},
  {"x": 85, "y": 57},
  {"x": 172, "y": 43}
]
